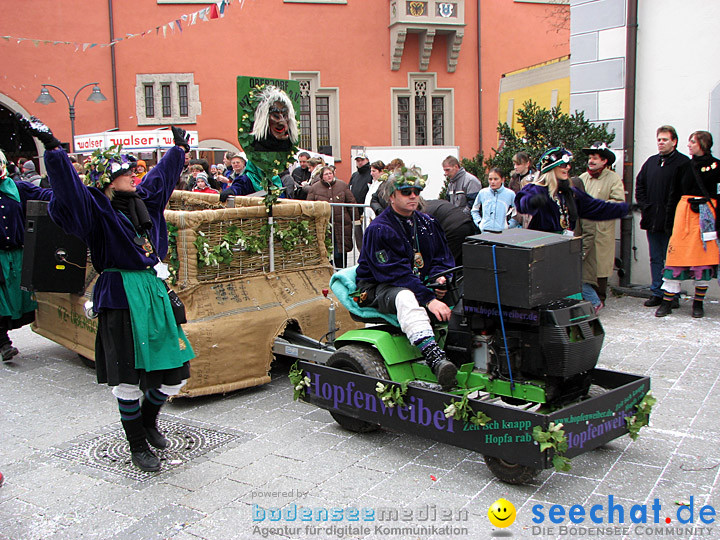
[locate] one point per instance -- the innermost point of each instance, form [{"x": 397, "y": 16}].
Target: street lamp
[{"x": 96, "y": 96}]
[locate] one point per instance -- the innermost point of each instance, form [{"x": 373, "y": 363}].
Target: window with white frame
[
  {"x": 161, "y": 98},
  {"x": 422, "y": 112},
  {"x": 319, "y": 115}
]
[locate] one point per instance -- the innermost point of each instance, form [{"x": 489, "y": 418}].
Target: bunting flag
[{"x": 215, "y": 11}]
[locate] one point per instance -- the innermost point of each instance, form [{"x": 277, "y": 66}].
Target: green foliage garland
[
  {"x": 391, "y": 394},
  {"x": 642, "y": 417},
  {"x": 299, "y": 380},
  {"x": 461, "y": 410},
  {"x": 553, "y": 438},
  {"x": 289, "y": 236},
  {"x": 172, "y": 256}
]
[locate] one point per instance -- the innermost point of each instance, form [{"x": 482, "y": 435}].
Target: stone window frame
[
  {"x": 432, "y": 90},
  {"x": 157, "y": 80},
  {"x": 314, "y": 89}
]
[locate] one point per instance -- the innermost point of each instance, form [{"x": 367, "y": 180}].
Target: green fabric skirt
[
  {"x": 13, "y": 301},
  {"x": 159, "y": 341}
]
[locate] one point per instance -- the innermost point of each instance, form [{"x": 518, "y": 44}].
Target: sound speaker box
[{"x": 53, "y": 261}]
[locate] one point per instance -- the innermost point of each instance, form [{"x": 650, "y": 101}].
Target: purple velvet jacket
[
  {"x": 86, "y": 212},
  {"x": 388, "y": 249},
  {"x": 547, "y": 217}
]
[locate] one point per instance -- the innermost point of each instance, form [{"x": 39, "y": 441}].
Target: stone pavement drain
[{"x": 109, "y": 452}]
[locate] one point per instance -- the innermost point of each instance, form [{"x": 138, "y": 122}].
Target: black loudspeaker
[{"x": 53, "y": 261}]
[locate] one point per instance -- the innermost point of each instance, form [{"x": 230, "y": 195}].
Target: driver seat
[{"x": 343, "y": 285}]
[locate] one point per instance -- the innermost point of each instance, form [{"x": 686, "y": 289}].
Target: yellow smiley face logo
[{"x": 502, "y": 513}]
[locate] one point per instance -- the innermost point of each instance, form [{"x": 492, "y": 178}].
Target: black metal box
[
  {"x": 53, "y": 261},
  {"x": 533, "y": 267}
]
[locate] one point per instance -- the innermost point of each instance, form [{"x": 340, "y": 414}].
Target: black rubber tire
[
  {"x": 86, "y": 361},
  {"x": 358, "y": 359},
  {"x": 510, "y": 473}
]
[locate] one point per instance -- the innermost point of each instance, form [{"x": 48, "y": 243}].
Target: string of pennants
[{"x": 214, "y": 11}]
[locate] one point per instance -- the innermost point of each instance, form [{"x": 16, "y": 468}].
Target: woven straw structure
[{"x": 250, "y": 215}]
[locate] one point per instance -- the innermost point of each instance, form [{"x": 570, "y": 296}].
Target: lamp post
[{"x": 96, "y": 96}]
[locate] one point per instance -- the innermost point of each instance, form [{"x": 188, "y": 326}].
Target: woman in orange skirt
[{"x": 692, "y": 220}]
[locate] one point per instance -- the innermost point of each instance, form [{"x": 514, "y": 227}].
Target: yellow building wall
[{"x": 537, "y": 83}]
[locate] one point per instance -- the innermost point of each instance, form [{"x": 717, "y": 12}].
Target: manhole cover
[{"x": 109, "y": 452}]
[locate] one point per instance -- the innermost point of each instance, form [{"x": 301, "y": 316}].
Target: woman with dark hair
[
  {"x": 691, "y": 220},
  {"x": 139, "y": 343}
]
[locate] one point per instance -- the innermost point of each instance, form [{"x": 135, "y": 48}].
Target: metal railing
[{"x": 342, "y": 257}]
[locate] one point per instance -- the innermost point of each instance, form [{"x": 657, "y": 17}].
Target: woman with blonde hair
[{"x": 554, "y": 204}]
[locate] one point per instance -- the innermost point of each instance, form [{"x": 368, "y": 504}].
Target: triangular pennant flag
[
  {"x": 193, "y": 19},
  {"x": 164, "y": 29},
  {"x": 36, "y": 42},
  {"x": 177, "y": 21},
  {"x": 204, "y": 14},
  {"x": 214, "y": 12},
  {"x": 222, "y": 8},
  {"x": 93, "y": 45},
  {"x": 85, "y": 46}
]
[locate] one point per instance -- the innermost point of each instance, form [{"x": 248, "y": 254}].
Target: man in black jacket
[
  {"x": 652, "y": 188},
  {"x": 359, "y": 184}
]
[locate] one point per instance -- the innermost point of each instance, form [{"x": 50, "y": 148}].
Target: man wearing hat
[
  {"x": 601, "y": 182},
  {"x": 29, "y": 174},
  {"x": 401, "y": 248},
  {"x": 359, "y": 185}
]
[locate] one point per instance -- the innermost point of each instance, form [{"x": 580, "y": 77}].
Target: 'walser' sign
[{"x": 507, "y": 435}]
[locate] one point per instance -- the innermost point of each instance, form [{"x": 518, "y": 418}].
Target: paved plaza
[{"x": 244, "y": 465}]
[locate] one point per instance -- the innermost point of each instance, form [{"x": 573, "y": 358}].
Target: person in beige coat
[{"x": 601, "y": 182}]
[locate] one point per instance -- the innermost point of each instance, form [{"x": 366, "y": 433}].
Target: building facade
[{"x": 372, "y": 72}]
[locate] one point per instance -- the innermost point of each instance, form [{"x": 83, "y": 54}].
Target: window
[
  {"x": 166, "y": 104},
  {"x": 319, "y": 115},
  {"x": 422, "y": 113},
  {"x": 183, "y": 99},
  {"x": 166, "y": 97},
  {"x": 149, "y": 101}
]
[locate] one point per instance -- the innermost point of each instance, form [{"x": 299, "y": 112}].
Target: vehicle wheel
[
  {"x": 510, "y": 473},
  {"x": 87, "y": 361},
  {"x": 358, "y": 359}
]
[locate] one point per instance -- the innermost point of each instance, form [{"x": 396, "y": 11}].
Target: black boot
[
  {"x": 675, "y": 302},
  {"x": 150, "y": 411},
  {"x": 664, "y": 309},
  {"x": 444, "y": 370},
  {"x": 7, "y": 351},
  {"x": 140, "y": 452},
  {"x": 697, "y": 310}
]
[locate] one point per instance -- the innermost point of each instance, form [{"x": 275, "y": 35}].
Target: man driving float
[{"x": 401, "y": 248}]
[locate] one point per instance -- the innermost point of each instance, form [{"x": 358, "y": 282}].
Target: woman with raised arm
[{"x": 140, "y": 350}]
